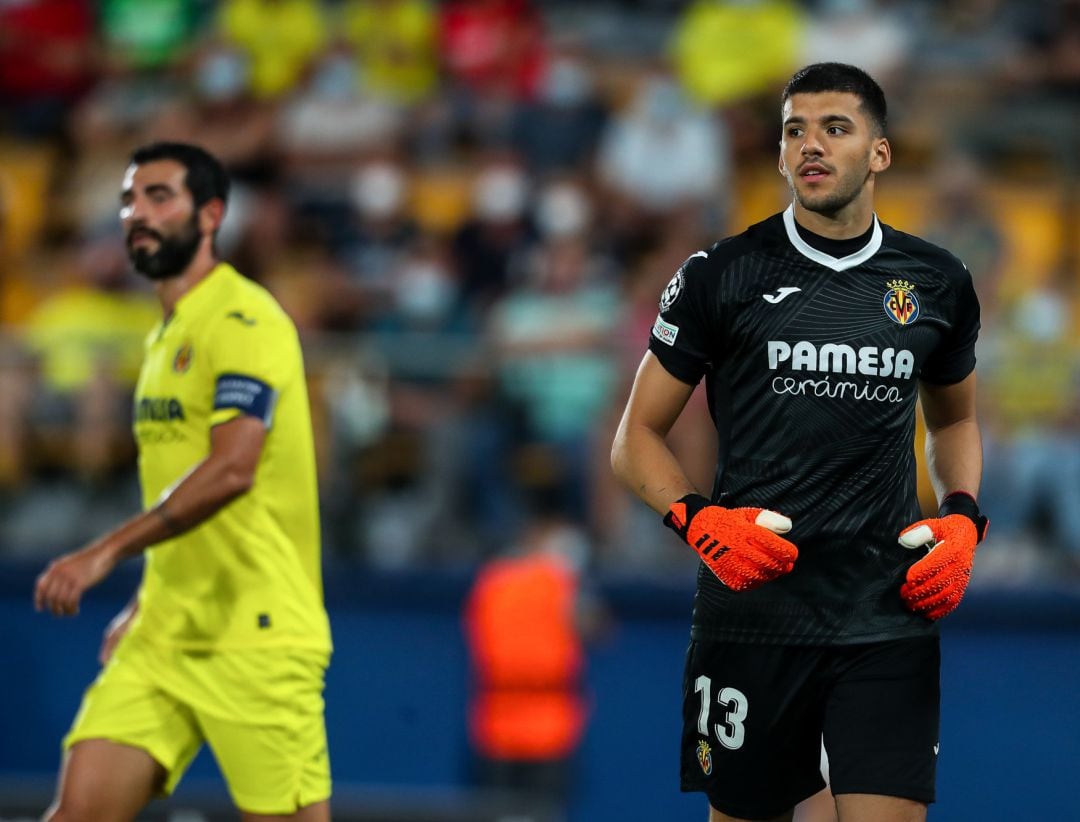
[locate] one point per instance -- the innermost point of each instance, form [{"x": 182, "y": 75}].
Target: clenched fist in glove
[
  {"x": 740, "y": 545},
  {"x": 936, "y": 583}
]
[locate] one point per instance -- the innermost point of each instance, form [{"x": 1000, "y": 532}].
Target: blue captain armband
[{"x": 247, "y": 395}]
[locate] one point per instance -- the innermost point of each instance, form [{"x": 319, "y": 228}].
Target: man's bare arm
[
  {"x": 953, "y": 443},
  {"x": 740, "y": 546},
  {"x": 640, "y": 456},
  {"x": 226, "y": 473}
]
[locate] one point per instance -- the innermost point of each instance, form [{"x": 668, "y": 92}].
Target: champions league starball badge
[
  {"x": 901, "y": 304},
  {"x": 672, "y": 291}
]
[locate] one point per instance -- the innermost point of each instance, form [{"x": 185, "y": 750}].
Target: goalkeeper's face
[
  {"x": 161, "y": 225},
  {"x": 830, "y": 151}
]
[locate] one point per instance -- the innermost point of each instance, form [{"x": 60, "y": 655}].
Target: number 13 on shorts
[{"x": 730, "y": 730}]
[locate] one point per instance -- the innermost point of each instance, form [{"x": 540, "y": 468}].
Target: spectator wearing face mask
[
  {"x": 866, "y": 33},
  {"x": 422, "y": 341},
  {"x": 329, "y": 126},
  {"x": 965, "y": 219},
  {"x": 489, "y": 248},
  {"x": 558, "y": 130},
  {"x": 218, "y": 110},
  {"x": 551, "y": 338},
  {"x": 492, "y": 55},
  {"x": 425, "y": 301},
  {"x": 395, "y": 43},
  {"x": 662, "y": 158},
  {"x": 371, "y": 241},
  {"x": 279, "y": 38}
]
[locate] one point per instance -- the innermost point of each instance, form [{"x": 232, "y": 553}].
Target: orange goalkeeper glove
[
  {"x": 740, "y": 545},
  {"x": 936, "y": 583}
]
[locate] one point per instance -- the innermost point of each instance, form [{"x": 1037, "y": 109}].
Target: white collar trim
[{"x": 835, "y": 263}]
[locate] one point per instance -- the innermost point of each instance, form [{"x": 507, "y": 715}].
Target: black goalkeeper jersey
[{"x": 812, "y": 365}]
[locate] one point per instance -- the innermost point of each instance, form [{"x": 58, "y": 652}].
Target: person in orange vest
[{"x": 525, "y": 620}]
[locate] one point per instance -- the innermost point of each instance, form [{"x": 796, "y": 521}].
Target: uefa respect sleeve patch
[
  {"x": 665, "y": 331},
  {"x": 247, "y": 395}
]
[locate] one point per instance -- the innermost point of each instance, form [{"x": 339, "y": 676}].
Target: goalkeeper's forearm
[
  {"x": 954, "y": 458},
  {"x": 643, "y": 462},
  {"x": 953, "y": 447}
]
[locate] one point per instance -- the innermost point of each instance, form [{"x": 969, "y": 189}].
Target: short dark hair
[
  {"x": 206, "y": 178},
  {"x": 822, "y": 77}
]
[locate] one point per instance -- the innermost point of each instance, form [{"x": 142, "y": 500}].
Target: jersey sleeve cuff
[
  {"x": 949, "y": 377},
  {"x": 681, "y": 366},
  {"x": 223, "y": 415}
]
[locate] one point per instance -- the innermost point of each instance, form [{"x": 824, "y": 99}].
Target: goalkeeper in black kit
[{"x": 820, "y": 584}]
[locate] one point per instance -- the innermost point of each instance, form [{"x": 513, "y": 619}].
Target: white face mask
[
  {"x": 662, "y": 102},
  {"x": 1043, "y": 317},
  {"x": 424, "y": 290},
  {"x": 378, "y": 190},
  {"x": 501, "y": 194},
  {"x": 563, "y": 210},
  {"x": 336, "y": 79},
  {"x": 221, "y": 76},
  {"x": 566, "y": 83}
]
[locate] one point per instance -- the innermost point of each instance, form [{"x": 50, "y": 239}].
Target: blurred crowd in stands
[{"x": 470, "y": 209}]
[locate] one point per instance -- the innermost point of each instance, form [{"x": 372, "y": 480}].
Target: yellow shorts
[{"x": 261, "y": 712}]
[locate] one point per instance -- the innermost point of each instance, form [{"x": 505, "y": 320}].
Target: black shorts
[{"x": 755, "y": 716}]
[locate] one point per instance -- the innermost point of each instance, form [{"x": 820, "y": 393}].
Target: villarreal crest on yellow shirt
[{"x": 249, "y": 576}]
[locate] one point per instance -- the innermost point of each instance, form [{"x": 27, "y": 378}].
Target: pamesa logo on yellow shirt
[{"x": 158, "y": 409}]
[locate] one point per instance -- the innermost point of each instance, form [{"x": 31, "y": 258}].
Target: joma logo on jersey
[
  {"x": 158, "y": 409},
  {"x": 842, "y": 359},
  {"x": 901, "y": 305}
]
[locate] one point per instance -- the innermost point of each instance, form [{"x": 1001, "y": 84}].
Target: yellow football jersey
[{"x": 249, "y": 576}]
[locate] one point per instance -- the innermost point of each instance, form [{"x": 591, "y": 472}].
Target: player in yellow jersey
[{"x": 227, "y": 641}]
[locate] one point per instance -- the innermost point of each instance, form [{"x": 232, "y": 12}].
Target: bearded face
[{"x": 158, "y": 254}]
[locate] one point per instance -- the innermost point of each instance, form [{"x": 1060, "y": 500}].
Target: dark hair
[
  {"x": 822, "y": 77},
  {"x": 205, "y": 177}
]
